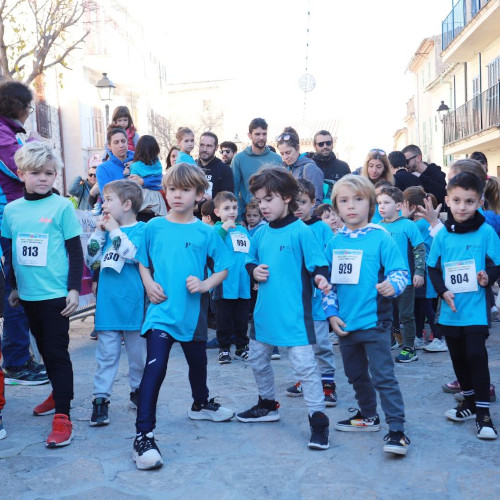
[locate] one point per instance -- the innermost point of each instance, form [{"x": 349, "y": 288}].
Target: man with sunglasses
[
  {"x": 431, "y": 177},
  {"x": 227, "y": 150},
  {"x": 333, "y": 169},
  {"x": 80, "y": 189}
]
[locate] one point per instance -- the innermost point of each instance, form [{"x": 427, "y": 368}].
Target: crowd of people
[{"x": 293, "y": 244}]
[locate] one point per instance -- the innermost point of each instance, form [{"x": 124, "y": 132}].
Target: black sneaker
[
  {"x": 99, "y": 412},
  {"x": 276, "y": 353},
  {"x": 358, "y": 423},
  {"x": 134, "y": 399},
  {"x": 30, "y": 373},
  {"x": 396, "y": 442},
  {"x": 146, "y": 454},
  {"x": 266, "y": 410},
  {"x": 319, "y": 431},
  {"x": 330, "y": 394},
  {"x": 464, "y": 411},
  {"x": 224, "y": 357},
  {"x": 485, "y": 427},
  {"x": 241, "y": 353},
  {"x": 93, "y": 335}
]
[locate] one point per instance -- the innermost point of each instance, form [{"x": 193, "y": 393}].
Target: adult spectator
[
  {"x": 432, "y": 178},
  {"x": 333, "y": 168},
  {"x": 227, "y": 150},
  {"x": 15, "y": 107},
  {"x": 402, "y": 178},
  {"x": 376, "y": 167},
  {"x": 172, "y": 156},
  {"x": 80, "y": 189},
  {"x": 481, "y": 158},
  {"x": 247, "y": 162}
]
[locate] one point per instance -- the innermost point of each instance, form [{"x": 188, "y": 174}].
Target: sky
[{"x": 358, "y": 54}]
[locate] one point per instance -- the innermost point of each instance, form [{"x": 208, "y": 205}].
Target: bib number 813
[
  {"x": 459, "y": 278},
  {"x": 345, "y": 268},
  {"x": 30, "y": 251}
]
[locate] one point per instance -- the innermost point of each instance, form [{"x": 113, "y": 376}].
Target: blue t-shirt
[
  {"x": 237, "y": 283},
  {"x": 120, "y": 295},
  {"x": 423, "y": 227},
  {"x": 407, "y": 236},
  {"x": 361, "y": 307},
  {"x": 176, "y": 251},
  {"x": 39, "y": 230},
  {"x": 283, "y": 312},
  {"x": 185, "y": 158},
  {"x": 472, "y": 307},
  {"x": 142, "y": 170},
  {"x": 376, "y": 215}
]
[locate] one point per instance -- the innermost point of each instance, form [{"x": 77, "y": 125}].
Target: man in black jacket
[
  {"x": 333, "y": 169},
  {"x": 402, "y": 178},
  {"x": 432, "y": 178}
]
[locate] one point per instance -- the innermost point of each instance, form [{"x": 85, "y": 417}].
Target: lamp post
[
  {"x": 105, "y": 89},
  {"x": 442, "y": 111}
]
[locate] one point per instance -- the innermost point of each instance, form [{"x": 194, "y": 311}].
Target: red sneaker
[
  {"x": 451, "y": 387},
  {"x": 45, "y": 408},
  {"x": 62, "y": 431}
]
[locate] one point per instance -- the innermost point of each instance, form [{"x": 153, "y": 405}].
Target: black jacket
[
  {"x": 333, "y": 170},
  {"x": 219, "y": 175},
  {"x": 403, "y": 179},
  {"x": 433, "y": 180}
]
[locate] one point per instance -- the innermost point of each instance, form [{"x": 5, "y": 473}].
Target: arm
[
  {"x": 122, "y": 244},
  {"x": 75, "y": 258},
  {"x": 95, "y": 248},
  {"x": 77, "y": 187},
  {"x": 195, "y": 285},
  {"x": 153, "y": 289}
]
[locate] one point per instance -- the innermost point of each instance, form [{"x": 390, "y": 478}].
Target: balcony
[{"x": 477, "y": 115}]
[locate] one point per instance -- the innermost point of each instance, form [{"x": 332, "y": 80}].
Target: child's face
[
  {"x": 352, "y": 207},
  {"x": 228, "y": 210},
  {"x": 40, "y": 181},
  {"x": 463, "y": 203},
  {"x": 272, "y": 205},
  {"x": 112, "y": 205},
  {"x": 187, "y": 143},
  {"x": 332, "y": 219},
  {"x": 387, "y": 207},
  {"x": 122, "y": 122},
  {"x": 253, "y": 217},
  {"x": 305, "y": 206},
  {"x": 182, "y": 200}
]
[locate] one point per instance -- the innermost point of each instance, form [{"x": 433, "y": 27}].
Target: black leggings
[{"x": 424, "y": 309}]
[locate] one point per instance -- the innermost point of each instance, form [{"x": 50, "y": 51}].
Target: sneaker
[
  {"x": 30, "y": 373},
  {"x": 266, "y": 410},
  {"x": 294, "y": 391},
  {"x": 330, "y": 394},
  {"x": 451, "y": 387},
  {"x": 146, "y": 454},
  {"x": 241, "y": 353},
  {"x": 419, "y": 343},
  {"x": 99, "y": 412},
  {"x": 358, "y": 423},
  {"x": 459, "y": 396},
  {"x": 485, "y": 427},
  {"x": 93, "y": 334},
  {"x": 224, "y": 357},
  {"x": 210, "y": 411},
  {"x": 464, "y": 411},
  {"x": 213, "y": 343},
  {"x": 437, "y": 345},
  {"x": 396, "y": 442},
  {"x": 134, "y": 399},
  {"x": 62, "y": 431},
  {"x": 3, "y": 432},
  {"x": 334, "y": 338},
  {"x": 276, "y": 353},
  {"x": 319, "y": 424},
  {"x": 45, "y": 408},
  {"x": 407, "y": 355},
  {"x": 394, "y": 344}
]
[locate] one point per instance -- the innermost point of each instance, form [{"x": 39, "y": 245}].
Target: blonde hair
[
  {"x": 33, "y": 156},
  {"x": 185, "y": 176},
  {"x": 386, "y": 174},
  {"x": 361, "y": 186}
]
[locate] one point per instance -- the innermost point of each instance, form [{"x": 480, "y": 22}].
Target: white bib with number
[
  {"x": 346, "y": 265},
  {"x": 32, "y": 249},
  {"x": 113, "y": 260},
  {"x": 241, "y": 243},
  {"x": 460, "y": 276}
]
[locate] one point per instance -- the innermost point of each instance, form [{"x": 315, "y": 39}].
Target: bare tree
[
  {"x": 209, "y": 120},
  {"x": 38, "y": 34},
  {"x": 163, "y": 130}
]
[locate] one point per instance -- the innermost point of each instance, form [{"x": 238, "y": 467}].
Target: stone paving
[{"x": 241, "y": 461}]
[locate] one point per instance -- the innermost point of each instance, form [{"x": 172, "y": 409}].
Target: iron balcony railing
[{"x": 480, "y": 113}]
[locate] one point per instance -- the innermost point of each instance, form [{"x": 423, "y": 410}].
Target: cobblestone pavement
[{"x": 238, "y": 461}]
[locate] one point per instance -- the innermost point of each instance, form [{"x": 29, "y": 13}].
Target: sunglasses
[
  {"x": 283, "y": 137},
  {"x": 225, "y": 151},
  {"x": 408, "y": 160},
  {"x": 378, "y": 151},
  {"x": 91, "y": 175},
  {"x": 321, "y": 144}
]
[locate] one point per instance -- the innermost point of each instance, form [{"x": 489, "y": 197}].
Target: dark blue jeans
[
  {"x": 16, "y": 338},
  {"x": 159, "y": 344}
]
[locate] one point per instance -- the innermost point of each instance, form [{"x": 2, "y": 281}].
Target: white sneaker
[
  {"x": 210, "y": 411},
  {"x": 419, "y": 343},
  {"x": 146, "y": 454},
  {"x": 437, "y": 345}
]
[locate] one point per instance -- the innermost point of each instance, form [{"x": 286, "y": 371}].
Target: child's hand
[
  {"x": 261, "y": 273},
  {"x": 418, "y": 281},
  {"x": 109, "y": 222},
  {"x": 448, "y": 298},
  {"x": 14, "y": 298},
  {"x": 482, "y": 278},
  {"x": 428, "y": 213},
  {"x": 155, "y": 293},
  {"x": 138, "y": 179},
  {"x": 322, "y": 283},
  {"x": 229, "y": 224},
  {"x": 385, "y": 288},
  {"x": 195, "y": 285},
  {"x": 100, "y": 223},
  {"x": 255, "y": 286},
  {"x": 337, "y": 324},
  {"x": 71, "y": 303},
  {"x": 94, "y": 288},
  {"x": 126, "y": 171}
]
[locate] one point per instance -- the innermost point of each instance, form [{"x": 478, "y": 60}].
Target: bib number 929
[{"x": 345, "y": 268}]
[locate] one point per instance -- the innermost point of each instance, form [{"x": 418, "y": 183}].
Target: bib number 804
[
  {"x": 459, "y": 278},
  {"x": 345, "y": 268}
]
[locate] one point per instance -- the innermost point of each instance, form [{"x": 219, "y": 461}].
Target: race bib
[
  {"x": 241, "y": 243},
  {"x": 32, "y": 249},
  {"x": 113, "y": 260},
  {"x": 460, "y": 276},
  {"x": 346, "y": 265}
]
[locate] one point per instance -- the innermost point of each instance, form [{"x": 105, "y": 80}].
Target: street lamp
[
  {"x": 105, "y": 88},
  {"x": 442, "y": 110}
]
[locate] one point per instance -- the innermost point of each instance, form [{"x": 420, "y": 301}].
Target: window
[
  {"x": 97, "y": 129},
  {"x": 493, "y": 72},
  {"x": 43, "y": 121},
  {"x": 475, "y": 86}
]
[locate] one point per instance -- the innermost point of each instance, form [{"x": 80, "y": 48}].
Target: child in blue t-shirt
[
  {"x": 120, "y": 296},
  {"x": 283, "y": 258},
  {"x": 323, "y": 347},
  {"x": 367, "y": 271},
  {"x": 47, "y": 260},
  {"x": 411, "y": 245},
  {"x": 185, "y": 141},
  {"x": 253, "y": 217},
  {"x": 464, "y": 259},
  {"x": 232, "y": 296},
  {"x": 175, "y": 257}
]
